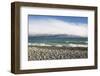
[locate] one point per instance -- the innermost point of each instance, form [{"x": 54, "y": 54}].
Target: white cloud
[{"x": 54, "y": 26}]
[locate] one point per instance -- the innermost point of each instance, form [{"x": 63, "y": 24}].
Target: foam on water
[{"x": 58, "y": 45}]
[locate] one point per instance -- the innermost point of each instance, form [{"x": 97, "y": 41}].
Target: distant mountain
[{"x": 57, "y": 35}]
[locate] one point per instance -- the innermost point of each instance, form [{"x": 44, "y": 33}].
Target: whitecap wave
[
  {"x": 78, "y": 45},
  {"x": 76, "y": 41},
  {"x": 58, "y": 45},
  {"x": 38, "y": 44}
]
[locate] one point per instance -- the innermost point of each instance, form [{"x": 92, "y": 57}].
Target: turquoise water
[{"x": 57, "y": 40}]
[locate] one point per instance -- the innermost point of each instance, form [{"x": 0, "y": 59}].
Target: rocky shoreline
[{"x": 54, "y": 53}]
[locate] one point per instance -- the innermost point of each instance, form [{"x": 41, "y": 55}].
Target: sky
[{"x": 69, "y": 25}]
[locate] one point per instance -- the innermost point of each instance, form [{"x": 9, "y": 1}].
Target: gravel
[{"x": 54, "y": 53}]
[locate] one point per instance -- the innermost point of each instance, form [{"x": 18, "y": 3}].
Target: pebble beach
[{"x": 54, "y": 52}]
